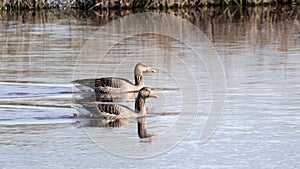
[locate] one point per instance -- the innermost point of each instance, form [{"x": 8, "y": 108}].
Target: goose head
[
  {"x": 146, "y": 92},
  {"x": 141, "y": 68}
]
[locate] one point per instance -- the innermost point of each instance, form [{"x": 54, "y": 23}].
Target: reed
[
  {"x": 27, "y": 4},
  {"x": 130, "y": 4}
]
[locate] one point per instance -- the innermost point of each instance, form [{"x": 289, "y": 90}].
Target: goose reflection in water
[
  {"x": 142, "y": 128},
  {"x": 98, "y": 122}
]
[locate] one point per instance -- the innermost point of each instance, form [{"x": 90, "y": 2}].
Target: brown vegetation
[{"x": 130, "y": 4}]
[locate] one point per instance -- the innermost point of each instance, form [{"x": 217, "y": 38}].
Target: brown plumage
[
  {"x": 117, "y": 85},
  {"x": 115, "y": 111},
  {"x": 142, "y": 128}
]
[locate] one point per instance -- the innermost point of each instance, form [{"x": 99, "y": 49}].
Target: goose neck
[
  {"x": 140, "y": 105},
  {"x": 138, "y": 77}
]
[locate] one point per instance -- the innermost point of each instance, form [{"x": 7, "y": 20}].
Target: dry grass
[{"x": 129, "y": 4}]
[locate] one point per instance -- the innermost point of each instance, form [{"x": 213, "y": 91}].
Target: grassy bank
[{"x": 131, "y": 4}]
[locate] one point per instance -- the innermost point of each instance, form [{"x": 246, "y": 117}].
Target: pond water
[{"x": 227, "y": 80}]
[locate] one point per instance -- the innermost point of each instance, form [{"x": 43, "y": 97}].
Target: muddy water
[{"x": 258, "y": 53}]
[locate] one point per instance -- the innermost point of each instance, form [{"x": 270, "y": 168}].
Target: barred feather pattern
[{"x": 114, "y": 111}]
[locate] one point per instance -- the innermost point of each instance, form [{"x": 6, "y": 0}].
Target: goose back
[{"x": 116, "y": 111}]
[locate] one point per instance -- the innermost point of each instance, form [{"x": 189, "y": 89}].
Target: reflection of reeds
[
  {"x": 259, "y": 26},
  {"x": 212, "y": 21},
  {"x": 129, "y": 4}
]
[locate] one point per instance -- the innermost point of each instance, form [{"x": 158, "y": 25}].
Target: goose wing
[
  {"x": 103, "y": 82},
  {"x": 115, "y": 111},
  {"x": 111, "y": 82}
]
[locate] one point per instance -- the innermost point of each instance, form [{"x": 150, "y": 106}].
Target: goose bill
[
  {"x": 153, "y": 95},
  {"x": 151, "y": 70}
]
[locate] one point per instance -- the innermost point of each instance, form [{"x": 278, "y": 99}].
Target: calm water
[{"x": 249, "y": 61}]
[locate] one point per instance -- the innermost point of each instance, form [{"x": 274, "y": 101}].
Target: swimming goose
[
  {"x": 113, "y": 112},
  {"x": 117, "y": 85}
]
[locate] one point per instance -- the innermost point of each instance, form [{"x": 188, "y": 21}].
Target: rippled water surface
[{"x": 258, "y": 58}]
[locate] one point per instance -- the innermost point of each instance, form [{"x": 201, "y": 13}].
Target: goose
[
  {"x": 113, "y": 112},
  {"x": 117, "y": 85}
]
